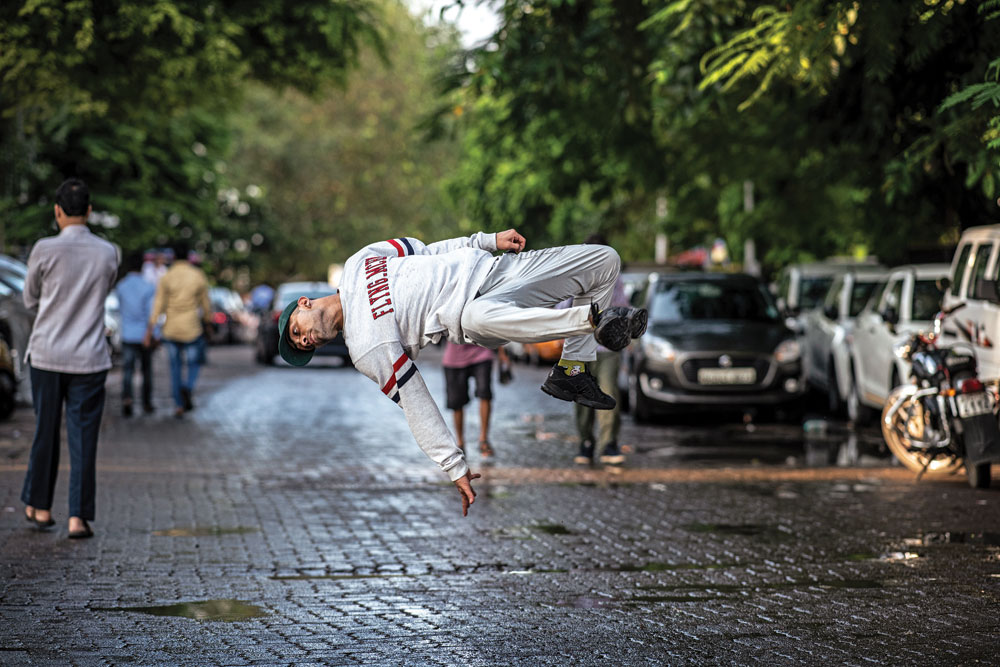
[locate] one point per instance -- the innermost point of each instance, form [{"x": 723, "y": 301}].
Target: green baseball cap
[{"x": 286, "y": 349}]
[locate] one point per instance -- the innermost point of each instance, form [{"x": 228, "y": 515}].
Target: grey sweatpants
[{"x": 516, "y": 299}]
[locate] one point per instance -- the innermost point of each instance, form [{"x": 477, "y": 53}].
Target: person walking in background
[
  {"x": 135, "y": 298},
  {"x": 182, "y": 295},
  {"x": 462, "y": 361},
  {"x": 69, "y": 277},
  {"x": 605, "y": 368}
]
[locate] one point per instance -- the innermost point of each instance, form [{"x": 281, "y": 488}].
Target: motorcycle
[{"x": 944, "y": 420}]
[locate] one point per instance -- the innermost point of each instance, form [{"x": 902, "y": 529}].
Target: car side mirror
[
  {"x": 830, "y": 311},
  {"x": 943, "y": 283},
  {"x": 890, "y": 315},
  {"x": 986, "y": 290}
]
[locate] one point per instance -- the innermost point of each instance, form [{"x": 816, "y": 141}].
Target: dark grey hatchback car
[{"x": 714, "y": 340}]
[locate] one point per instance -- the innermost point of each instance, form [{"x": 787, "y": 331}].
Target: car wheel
[
  {"x": 8, "y": 391},
  {"x": 263, "y": 355},
  {"x": 640, "y": 405},
  {"x": 834, "y": 404},
  {"x": 857, "y": 412},
  {"x": 979, "y": 475}
]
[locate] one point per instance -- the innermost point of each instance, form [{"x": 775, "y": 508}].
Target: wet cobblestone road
[{"x": 294, "y": 506}]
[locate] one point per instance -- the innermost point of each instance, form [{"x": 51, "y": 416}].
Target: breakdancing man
[{"x": 399, "y": 295}]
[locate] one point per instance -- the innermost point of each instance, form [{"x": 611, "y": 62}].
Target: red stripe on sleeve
[
  {"x": 399, "y": 363},
  {"x": 399, "y": 248},
  {"x": 395, "y": 367}
]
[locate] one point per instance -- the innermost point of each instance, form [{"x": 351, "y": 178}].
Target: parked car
[
  {"x": 113, "y": 323},
  {"x": 802, "y": 287},
  {"x": 266, "y": 347},
  {"x": 16, "y": 320},
  {"x": 826, "y": 357},
  {"x": 230, "y": 319},
  {"x": 713, "y": 340},
  {"x": 973, "y": 281},
  {"x": 536, "y": 353},
  {"x": 908, "y": 302},
  {"x": 8, "y": 383}
]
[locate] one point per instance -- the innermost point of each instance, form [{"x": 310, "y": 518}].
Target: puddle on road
[
  {"x": 952, "y": 537},
  {"x": 551, "y": 529},
  {"x": 306, "y": 577},
  {"x": 669, "y": 567},
  {"x": 204, "y": 610},
  {"x": 742, "y": 529},
  {"x": 685, "y": 593},
  {"x": 203, "y": 531},
  {"x": 554, "y": 571}
]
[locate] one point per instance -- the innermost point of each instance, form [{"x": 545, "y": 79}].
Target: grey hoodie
[{"x": 399, "y": 295}]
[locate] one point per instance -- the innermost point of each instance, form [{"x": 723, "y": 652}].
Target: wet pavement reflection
[{"x": 294, "y": 509}]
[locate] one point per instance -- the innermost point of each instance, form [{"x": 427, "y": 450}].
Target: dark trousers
[
  {"x": 131, "y": 352},
  {"x": 83, "y": 395}
]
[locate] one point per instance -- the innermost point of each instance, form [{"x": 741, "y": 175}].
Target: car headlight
[
  {"x": 787, "y": 350},
  {"x": 658, "y": 348}
]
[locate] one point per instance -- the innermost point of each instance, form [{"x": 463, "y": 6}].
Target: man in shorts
[
  {"x": 398, "y": 296},
  {"x": 462, "y": 362}
]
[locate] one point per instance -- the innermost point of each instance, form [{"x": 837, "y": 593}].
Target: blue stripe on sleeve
[
  {"x": 406, "y": 376},
  {"x": 409, "y": 248}
]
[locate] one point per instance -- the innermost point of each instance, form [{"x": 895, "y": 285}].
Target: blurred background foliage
[{"x": 281, "y": 136}]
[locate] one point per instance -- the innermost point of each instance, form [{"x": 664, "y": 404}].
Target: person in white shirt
[{"x": 397, "y": 296}]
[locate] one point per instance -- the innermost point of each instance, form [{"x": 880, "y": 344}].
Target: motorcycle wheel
[
  {"x": 979, "y": 475},
  {"x": 906, "y": 425}
]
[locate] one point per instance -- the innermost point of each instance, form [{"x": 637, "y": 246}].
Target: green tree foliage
[
  {"x": 556, "y": 122},
  {"x": 134, "y": 97},
  {"x": 349, "y": 166},
  {"x": 876, "y": 75},
  {"x": 580, "y": 113}
]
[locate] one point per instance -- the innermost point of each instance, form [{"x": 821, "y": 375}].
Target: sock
[{"x": 571, "y": 367}]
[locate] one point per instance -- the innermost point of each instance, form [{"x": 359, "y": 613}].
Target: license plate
[
  {"x": 727, "y": 375},
  {"x": 970, "y": 405}
]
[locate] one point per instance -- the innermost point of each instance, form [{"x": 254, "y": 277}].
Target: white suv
[
  {"x": 825, "y": 351},
  {"x": 974, "y": 271},
  {"x": 907, "y": 304}
]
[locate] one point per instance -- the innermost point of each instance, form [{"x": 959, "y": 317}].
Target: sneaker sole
[
  {"x": 637, "y": 321},
  {"x": 614, "y": 334},
  {"x": 613, "y": 460},
  {"x": 556, "y": 392},
  {"x": 582, "y": 460}
]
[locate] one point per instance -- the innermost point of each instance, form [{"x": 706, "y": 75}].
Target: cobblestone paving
[{"x": 302, "y": 494}]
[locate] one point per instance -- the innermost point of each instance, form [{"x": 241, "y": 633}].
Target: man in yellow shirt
[{"x": 182, "y": 295}]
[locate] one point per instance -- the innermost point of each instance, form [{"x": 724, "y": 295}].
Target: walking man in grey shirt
[{"x": 69, "y": 276}]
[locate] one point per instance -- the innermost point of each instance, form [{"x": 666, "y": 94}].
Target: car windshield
[
  {"x": 926, "y": 299},
  {"x": 716, "y": 300},
  {"x": 813, "y": 290},
  {"x": 860, "y": 294}
]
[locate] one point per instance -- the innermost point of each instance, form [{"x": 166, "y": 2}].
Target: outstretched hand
[
  {"x": 465, "y": 488},
  {"x": 510, "y": 240}
]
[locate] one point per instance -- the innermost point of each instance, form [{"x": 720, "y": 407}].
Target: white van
[{"x": 973, "y": 281}]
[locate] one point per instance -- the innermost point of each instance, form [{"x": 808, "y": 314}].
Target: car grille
[{"x": 691, "y": 367}]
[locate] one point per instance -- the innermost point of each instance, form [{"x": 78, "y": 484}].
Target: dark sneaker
[
  {"x": 612, "y": 455},
  {"x": 616, "y": 327},
  {"x": 581, "y": 388},
  {"x": 127, "y": 409},
  {"x": 586, "y": 455}
]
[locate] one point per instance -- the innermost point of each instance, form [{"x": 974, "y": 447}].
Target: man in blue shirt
[{"x": 135, "y": 299}]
